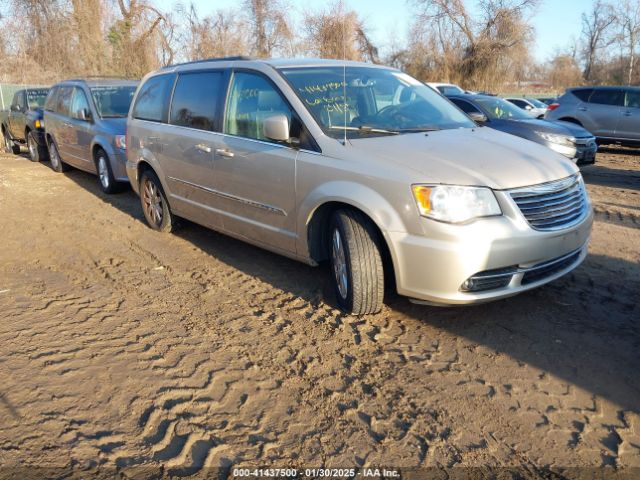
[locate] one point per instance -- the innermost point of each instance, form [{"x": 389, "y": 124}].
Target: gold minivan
[{"x": 359, "y": 165}]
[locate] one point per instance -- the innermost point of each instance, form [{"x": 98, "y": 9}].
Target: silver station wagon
[{"x": 361, "y": 166}]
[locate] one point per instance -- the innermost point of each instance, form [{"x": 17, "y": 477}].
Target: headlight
[
  {"x": 454, "y": 204},
  {"x": 121, "y": 141},
  {"x": 555, "y": 138},
  {"x": 39, "y": 124}
]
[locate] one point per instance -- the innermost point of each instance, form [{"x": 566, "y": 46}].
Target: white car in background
[
  {"x": 533, "y": 107},
  {"x": 447, "y": 88}
]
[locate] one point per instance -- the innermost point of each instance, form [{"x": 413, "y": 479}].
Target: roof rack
[
  {"x": 214, "y": 59},
  {"x": 96, "y": 77}
]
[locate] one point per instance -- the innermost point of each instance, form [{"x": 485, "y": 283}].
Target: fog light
[{"x": 488, "y": 280}]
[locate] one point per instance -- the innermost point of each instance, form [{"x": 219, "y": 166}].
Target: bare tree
[
  {"x": 271, "y": 29},
  {"x": 489, "y": 46},
  {"x": 335, "y": 33},
  {"x": 628, "y": 16},
  {"x": 597, "y": 27}
]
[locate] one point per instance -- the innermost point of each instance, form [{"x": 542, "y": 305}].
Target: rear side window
[
  {"x": 582, "y": 94},
  {"x": 152, "y": 102},
  {"x": 465, "y": 106},
  {"x": 632, "y": 99},
  {"x": 519, "y": 103},
  {"x": 607, "y": 97},
  {"x": 63, "y": 100},
  {"x": 49, "y": 104},
  {"x": 196, "y": 99}
]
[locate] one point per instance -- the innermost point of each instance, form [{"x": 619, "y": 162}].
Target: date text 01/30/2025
[{"x": 316, "y": 472}]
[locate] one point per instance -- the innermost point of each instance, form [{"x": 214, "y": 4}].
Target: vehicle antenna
[{"x": 344, "y": 70}]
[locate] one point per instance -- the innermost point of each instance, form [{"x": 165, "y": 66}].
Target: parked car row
[{"x": 356, "y": 165}]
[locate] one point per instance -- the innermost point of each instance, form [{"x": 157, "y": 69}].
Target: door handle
[
  {"x": 627, "y": 113},
  {"x": 583, "y": 109},
  {"x": 203, "y": 148},
  {"x": 224, "y": 152}
]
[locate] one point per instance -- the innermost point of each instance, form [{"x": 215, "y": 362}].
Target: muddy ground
[{"x": 125, "y": 350}]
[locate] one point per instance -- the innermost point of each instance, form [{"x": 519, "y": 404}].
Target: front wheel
[
  {"x": 108, "y": 182},
  {"x": 356, "y": 263},
  {"x": 154, "y": 203},
  {"x": 9, "y": 145},
  {"x": 36, "y": 152}
]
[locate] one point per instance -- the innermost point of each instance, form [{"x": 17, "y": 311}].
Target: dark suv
[
  {"x": 612, "y": 114},
  {"x": 86, "y": 127}
]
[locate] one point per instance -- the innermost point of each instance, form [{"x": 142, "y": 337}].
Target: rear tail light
[{"x": 553, "y": 106}]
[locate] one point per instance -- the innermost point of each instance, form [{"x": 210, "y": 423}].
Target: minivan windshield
[
  {"x": 113, "y": 101},
  {"x": 499, "y": 109},
  {"x": 378, "y": 101}
]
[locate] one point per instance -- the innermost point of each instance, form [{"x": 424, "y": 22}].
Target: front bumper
[
  {"x": 433, "y": 267},
  {"x": 39, "y": 136},
  {"x": 118, "y": 165},
  {"x": 583, "y": 152}
]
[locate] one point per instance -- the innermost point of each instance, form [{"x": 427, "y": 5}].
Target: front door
[
  {"x": 255, "y": 176},
  {"x": 601, "y": 114},
  {"x": 80, "y": 130}
]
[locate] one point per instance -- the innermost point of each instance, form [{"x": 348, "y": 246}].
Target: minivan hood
[
  {"x": 116, "y": 126},
  {"x": 470, "y": 156}
]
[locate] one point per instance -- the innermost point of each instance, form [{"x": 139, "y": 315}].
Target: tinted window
[
  {"x": 113, "y": 101},
  {"x": 519, "y": 103},
  {"x": 252, "y": 99},
  {"x": 465, "y": 106},
  {"x": 583, "y": 93},
  {"x": 632, "y": 99},
  {"x": 152, "y": 102},
  {"x": 78, "y": 103},
  {"x": 607, "y": 97},
  {"x": 63, "y": 100},
  {"x": 499, "y": 109},
  {"x": 195, "y": 100},
  {"x": 18, "y": 100},
  {"x": 49, "y": 104}
]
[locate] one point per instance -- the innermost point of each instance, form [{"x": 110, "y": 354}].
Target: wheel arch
[
  {"x": 318, "y": 235},
  {"x": 571, "y": 120}
]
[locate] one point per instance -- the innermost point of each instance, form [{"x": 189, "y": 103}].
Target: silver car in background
[
  {"x": 612, "y": 114},
  {"x": 85, "y": 122},
  {"x": 361, "y": 166}
]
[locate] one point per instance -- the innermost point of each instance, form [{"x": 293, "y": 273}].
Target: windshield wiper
[
  {"x": 419, "y": 129},
  {"x": 366, "y": 129}
]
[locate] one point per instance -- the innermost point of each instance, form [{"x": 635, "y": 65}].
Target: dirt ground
[{"x": 127, "y": 351}]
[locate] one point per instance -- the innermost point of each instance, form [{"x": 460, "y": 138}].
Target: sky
[{"x": 556, "y": 21}]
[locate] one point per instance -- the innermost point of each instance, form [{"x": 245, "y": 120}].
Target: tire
[
  {"x": 357, "y": 272},
  {"x": 106, "y": 180},
  {"x": 57, "y": 165},
  {"x": 154, "y": 203},
  {"x": 9, "y": 145},
  {"x": 37, "y": 152}
]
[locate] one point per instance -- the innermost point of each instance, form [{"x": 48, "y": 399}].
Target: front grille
[
  {"x": 553, "y": 205},
  {"x": 550, "y": 268}
]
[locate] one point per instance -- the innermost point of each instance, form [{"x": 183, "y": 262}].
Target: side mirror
[
  {"x": 14, "y": 108},
  {"x": 85, "y": 114},
  {"x": 276, "y": 127},
  {"x": 478, "y": 117}
]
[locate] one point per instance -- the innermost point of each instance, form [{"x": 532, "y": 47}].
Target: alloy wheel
[
  {"x": 33, "y": 149},
  {"x": 103, "y": 171},
  {"x": 152, "y": 202},
  {"x": 55, "y": 159},
  {"x": 339, "y": 264}
]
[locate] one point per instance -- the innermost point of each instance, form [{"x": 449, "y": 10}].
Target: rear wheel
[
  {"x": 108, "y": 183},
  {"x": 56, "y": 161},
  {"x": 356, "y": 263},
  {"x": 9, "y": 145},
  {"x": 154, "y": 203},
  {"x": 37, "y": 153}
]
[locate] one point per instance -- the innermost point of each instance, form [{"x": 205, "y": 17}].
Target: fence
[{"x": 7, "y": 90}]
